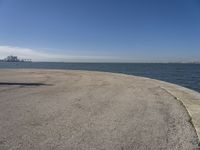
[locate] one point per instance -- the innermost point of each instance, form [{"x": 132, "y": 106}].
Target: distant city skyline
[{"x": 101, "y": 31}]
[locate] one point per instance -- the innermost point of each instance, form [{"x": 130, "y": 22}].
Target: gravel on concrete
[{"x": 82, "y": 110}]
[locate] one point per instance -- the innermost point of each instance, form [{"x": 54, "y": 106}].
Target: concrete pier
[{"x": 82, "y": 110}]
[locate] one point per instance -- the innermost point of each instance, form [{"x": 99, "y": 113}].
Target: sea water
[{"x": 187, "y": 75}]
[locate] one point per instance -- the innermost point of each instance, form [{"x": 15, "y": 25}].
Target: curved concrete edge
[{"x": 190, "y": 99}]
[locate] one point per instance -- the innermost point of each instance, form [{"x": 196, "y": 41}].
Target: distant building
[{"x": 14, "y": 59}]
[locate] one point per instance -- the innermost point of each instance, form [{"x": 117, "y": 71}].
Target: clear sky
[{"x": 101, "y": 30}]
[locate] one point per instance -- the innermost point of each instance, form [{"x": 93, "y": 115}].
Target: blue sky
[{"x": 101, "y": 30}]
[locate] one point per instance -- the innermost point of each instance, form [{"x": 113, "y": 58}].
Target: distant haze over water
[{"x": 187, "y": 75}]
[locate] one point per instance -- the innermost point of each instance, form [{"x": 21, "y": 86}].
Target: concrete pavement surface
[{"x": 82, "y": 110}]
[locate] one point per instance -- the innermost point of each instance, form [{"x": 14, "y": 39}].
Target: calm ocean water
[{"x": 187, "y": 75}]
